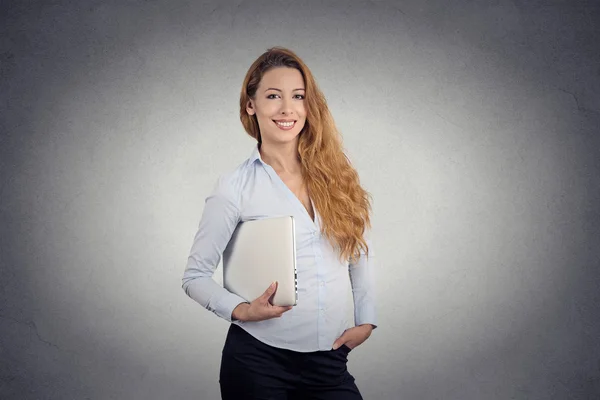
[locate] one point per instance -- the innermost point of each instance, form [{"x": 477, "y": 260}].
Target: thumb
[
  {"x": 340, "y": 341},
  {"x": 270, "y": 290}
]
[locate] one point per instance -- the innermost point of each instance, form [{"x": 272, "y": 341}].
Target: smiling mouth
[{"x": 284, "y": 124}]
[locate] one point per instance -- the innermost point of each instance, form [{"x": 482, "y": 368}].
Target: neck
[{"x": 282, "y": 157}]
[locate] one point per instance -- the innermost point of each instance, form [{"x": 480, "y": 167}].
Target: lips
[{"x": 285, "y": 124}]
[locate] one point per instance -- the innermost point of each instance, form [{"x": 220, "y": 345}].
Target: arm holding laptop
[
  {"x": 219, "y": 219},
  {"x": 260, "y": 308}
]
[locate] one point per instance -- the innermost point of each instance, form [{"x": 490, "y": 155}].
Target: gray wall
[{"x": 473, "y": 124}]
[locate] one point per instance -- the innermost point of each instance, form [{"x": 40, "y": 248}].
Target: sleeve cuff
[
  {"x": 227, "y": 304},
  {"x": 365, "y": 313}
]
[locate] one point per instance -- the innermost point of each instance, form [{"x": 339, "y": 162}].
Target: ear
[{"x": 250, "y": 108}]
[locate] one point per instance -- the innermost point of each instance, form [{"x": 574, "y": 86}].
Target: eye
[
  {"x": 299, "y": 96},
  {"x": 270, "y": 96}
]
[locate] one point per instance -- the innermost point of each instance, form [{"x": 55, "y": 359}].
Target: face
[{"x": 279, "y": 105}]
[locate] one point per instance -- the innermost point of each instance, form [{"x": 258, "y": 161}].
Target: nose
[{"x": 286, "y": 107}]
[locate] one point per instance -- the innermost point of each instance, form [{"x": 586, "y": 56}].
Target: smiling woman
[
  {"x": 279, "y": 105},
  {"x": 315, "y": 147},
  {"x": 297, "y": 168}
]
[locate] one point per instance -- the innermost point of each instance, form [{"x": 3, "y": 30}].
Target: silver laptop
[{"x": 259, "y": 253}]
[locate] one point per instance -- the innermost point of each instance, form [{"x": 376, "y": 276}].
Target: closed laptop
[{"x": 260, "y": 252}]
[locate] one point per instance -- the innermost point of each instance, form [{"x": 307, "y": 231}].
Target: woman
[{"x": 297, "y": 168}]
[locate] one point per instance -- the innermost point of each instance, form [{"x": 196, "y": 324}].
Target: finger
[
  {"x": 270, "y": 290},
  {"x": 340, "y": 341},
  {"x": 279, "y": 310}
]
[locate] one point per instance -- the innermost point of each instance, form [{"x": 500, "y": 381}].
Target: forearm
[
  {"x": 362, "y": 278},
  {"x": 212, "y": 296},
  {"x": 365, "y": 308}
]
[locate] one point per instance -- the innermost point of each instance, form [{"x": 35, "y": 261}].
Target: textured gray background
[{"x": 473, "y": 124}]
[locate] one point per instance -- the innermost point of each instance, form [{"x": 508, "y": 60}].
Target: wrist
[{"x": 240, "y": 312}]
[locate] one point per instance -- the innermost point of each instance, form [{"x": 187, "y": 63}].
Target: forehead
[{"x": 282, "y": 78}]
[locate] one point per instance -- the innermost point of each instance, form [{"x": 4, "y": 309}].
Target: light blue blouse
[{"x": 252, "y": 191}]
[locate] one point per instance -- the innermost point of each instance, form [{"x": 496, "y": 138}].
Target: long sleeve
[
  {"x": 219, "y": 219},
  {"x": 362, "y": 279}
]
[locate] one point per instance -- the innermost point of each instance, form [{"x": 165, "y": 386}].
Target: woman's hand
[
  {"x": 353, "y": 337},
  {"x": 260, "y": 308}
]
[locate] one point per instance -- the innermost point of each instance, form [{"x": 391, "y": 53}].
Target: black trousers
[{"x": 253, "y": 370}]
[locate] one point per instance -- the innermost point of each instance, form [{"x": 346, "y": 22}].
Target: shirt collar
[{"x": 255, "y": 155}]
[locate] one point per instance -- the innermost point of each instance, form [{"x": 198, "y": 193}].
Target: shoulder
[{"x": 230, "y": 184}]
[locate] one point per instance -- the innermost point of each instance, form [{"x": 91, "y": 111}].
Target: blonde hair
[{"x": 333, "y": 184}]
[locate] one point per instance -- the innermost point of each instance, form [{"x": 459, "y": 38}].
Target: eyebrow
[{"x": 279, "y": 90}]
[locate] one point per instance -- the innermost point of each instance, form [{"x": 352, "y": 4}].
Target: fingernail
[{"x": 273, "y": 284}]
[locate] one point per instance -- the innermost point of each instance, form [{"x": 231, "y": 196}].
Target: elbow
[
  {"x": 192, "y": 278},
  {"x": 188, "y": 279},
  {"x": 189, "y": 276},
  {"x": 197, "y": 271},
  {"x": 185, "y": 283}
]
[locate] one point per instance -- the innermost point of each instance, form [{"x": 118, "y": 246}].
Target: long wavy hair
[{"x": 332, "y": 182}]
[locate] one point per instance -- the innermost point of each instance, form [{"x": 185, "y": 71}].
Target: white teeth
[{"x": 285, "y": 124}]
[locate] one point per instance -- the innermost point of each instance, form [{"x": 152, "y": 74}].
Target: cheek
[
  {"x": 267, "y": 113},
  {"x": 302, "y": 110}
]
